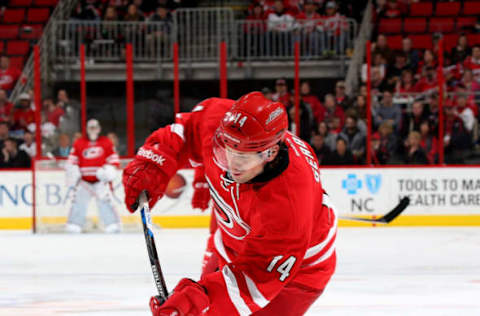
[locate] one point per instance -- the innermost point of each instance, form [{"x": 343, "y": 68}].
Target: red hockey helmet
[{"x": 254, "y": 124}]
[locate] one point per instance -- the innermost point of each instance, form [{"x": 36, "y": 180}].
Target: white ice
[{"x": 381, "y": 271}]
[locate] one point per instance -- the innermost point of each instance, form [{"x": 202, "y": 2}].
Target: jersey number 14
[{"x": 284, "y": 268}]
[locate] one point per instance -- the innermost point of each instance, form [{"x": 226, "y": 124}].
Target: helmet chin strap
[{"x": 93, "y": 136}]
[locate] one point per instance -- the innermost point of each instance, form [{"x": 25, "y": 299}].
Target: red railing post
[
  {"x": 130, "y": 103},
  {"x": 37, "y": 89},
  {"x": 441, "y": 158},
  {"x": 369, "y": 102}
]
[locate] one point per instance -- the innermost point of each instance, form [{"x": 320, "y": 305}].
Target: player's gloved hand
[
  {"x": 150, "y": 170},
  {"x": 106, "y": 173},
  {"x": 201, "y": 195},
  {"x": 188, "y": 299}
]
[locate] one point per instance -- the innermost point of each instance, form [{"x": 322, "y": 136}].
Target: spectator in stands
[
  {"x": 381, "y": 47},
  {"x": 415, "y": 155},
  {"x": 119, "y": 147},
  {"x": 341, "y": 156},
  {"x": 378, "y": 64},
  {"x": 429, "y": 142},
  {"x": 341, "y": 98},
  {"x": 405, "y": 84},
  {"x": 395, "y": 70},
  {"x": 12, "y": 157},
  {"x": 360, "y": 108},
  {"x": 332, "y": 111},
  {"x": 394, "y": 9},
  {"x": 53, "y": 112},
  {"x": 461, "y": 50},
  {"x": 428, "y": 82},
  {"x": 456, "y": 139},
  {"x": 411, "y": 120},
  {"x": 29, "y": 146},
  {"x": 76, "y": 136},
  {"x": 336, "y": 27},
  {"x": 319, "y": 147},
  {"x": 433, "y": 114},
  {"x": 328, "y": 137},
  {"x": 311, "y": 24},
  {"x": 267, "y": 93},
  {"x": 139, "y": 5},
  {"x": 355, "y": 138},
  {"x": 312, "y": 100},
  {"x": 281, "y": 92},
  {"x": 63, "y": 149},
  {"x": 85, "y": 12},
  {"x": 305, "y": 120},
  {"x": 473, "y": 62},
  {"x": 23, "y": 115},
  {"x": 133, "y": 15},
  {"x": 472, "y": 87},
  {"x": 387, "y": 111},
  {"x": 159, "y": 35},
  {"x": 70, "y": 121},
  {"x": 4, "y": 133},
  {"x": 8, "y": 74},
  {"x": 413, "y": 56},
  {"x": 254, "y": 31},
  {"x": 6, "y": 107},
  {"x": 384, "y": 150},
  {"x": 465, "y": 113},
  {"x": 280, "y": 24},
  {"x": 428, "y": 61}
]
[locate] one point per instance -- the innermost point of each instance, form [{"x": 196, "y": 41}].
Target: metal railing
[{"x": 199, "y": 39}]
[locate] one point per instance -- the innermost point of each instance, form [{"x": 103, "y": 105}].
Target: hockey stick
[
  {"x": 387, "y": 218},
  {"x": 152, "y": 250}
]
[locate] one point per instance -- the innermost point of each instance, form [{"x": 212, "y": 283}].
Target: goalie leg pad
[{"x": 78, "y": 211}]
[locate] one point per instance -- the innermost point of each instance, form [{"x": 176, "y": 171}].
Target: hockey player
[
  {"x": 92, "y": 165},
  {"x": 275, "y": 241}
]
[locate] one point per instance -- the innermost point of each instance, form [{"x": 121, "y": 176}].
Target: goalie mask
[
  {"x": 93, "y": 129},
  {"x": 247, "y": 133}
]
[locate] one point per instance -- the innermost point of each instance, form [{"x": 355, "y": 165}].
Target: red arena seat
[
  {"x": 473, "y": 39},
  {"x": 20, "y": 3},
  {"x": 36, "y": 15},
  {"x": 447, "y": 9},
  {"x": 1, "y": 47},
  {"x": 17, "y": 61},
  {"x": 390, "y": 26},
  {"x": 465, "y": 22},
  {"x": 471, "y": 8},
  {"x": 45, "y": 3},
  {"x": 8, "y": 31},
  {"x": 422, "y": 41},
  {"x": 12, "y": 16},
  {"x": 421, "y": 9},
  {"x": 415, "y": 25},
  {"x": 395, "y": 42},
  {"x": 449, "y": 41},
  {"x": 18, "y": 47},
  {"x": 444, "y": 25},
  {"x": 31, "y": 31}
]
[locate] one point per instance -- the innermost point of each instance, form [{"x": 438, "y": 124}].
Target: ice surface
[{"x": 381, "y": 271}]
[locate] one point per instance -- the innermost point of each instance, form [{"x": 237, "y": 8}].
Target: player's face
[{"x": 244, "y": 166}]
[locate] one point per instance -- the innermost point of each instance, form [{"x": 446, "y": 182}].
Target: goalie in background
[{"x": 92, "y": 165}]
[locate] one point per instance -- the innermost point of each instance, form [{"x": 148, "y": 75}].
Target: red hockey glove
[
  {"x": 201, "y": 195},
  {"x": 150, "y": 170},
  {"x": 188, "y": 299}
]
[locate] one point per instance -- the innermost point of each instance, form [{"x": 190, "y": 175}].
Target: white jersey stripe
[
  {"x": 325, "y": 256},
  {"x": 178, "y": 129},
  {"x": 312, "y": 251},
  {"x": 256, "y": 295},
  {"x": 217, "y": 240},
  {"x": 234, "y": 292}
]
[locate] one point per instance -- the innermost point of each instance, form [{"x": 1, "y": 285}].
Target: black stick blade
[{"x": 387, "y": 218}]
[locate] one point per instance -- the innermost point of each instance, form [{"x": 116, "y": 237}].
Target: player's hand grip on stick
[
  {"x": 188, "y": 298},
  {"x": 150, "y": 171}
]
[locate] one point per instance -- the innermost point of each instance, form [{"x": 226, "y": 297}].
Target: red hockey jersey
[
  {"x": 270, "y": 233},
  {"x": 90, "y": 156}
]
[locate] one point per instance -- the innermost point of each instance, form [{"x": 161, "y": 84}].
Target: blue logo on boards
[
  {"x": 373, "y": 182},
  {"x": 352, "y": 184}
]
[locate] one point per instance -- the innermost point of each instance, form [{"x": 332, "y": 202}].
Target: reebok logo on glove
[{"x": 150, "y": 155}]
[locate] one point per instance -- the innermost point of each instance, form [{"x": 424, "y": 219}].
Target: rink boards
[{"x": 439, "y": 196}]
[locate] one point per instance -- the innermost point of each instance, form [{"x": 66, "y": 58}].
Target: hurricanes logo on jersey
[
  {"x": 228, "y": 217},
  {"x": 92, "y": 152}
]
